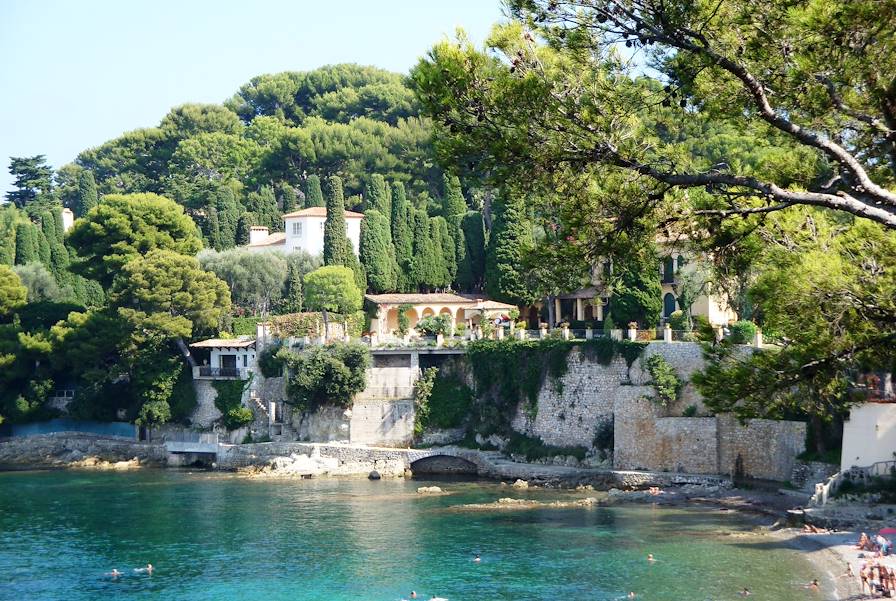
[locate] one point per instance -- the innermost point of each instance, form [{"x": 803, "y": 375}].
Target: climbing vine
[
  {"x": 507, "y": 372},
  {"x": 229, "y": 402},
  {"x": 664, "y": 378}
]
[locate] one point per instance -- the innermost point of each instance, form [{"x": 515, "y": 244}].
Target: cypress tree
[
  {"x": 213, "y": 229},
  {"x": 453, "y": 204},
  {"x": 313, "y": 195},
  {"x": 287, "y": 197},
  {"x": 292, "y": 295},
  {"x": 87, "y": 194},
  {"x": 246, "y": 221},
  {"x": 354, "y": 264},
  {"x": 228, "y": 213},
  {"x": 424, "y": 263},
  {"x": 402, "y": 235},
  {"x": 472, "y": 269},
  {"x": 26, "y": 245},
  {"x": 444, "y": 247},
  {"x": 378, "y": 253},
  {"x": 48, "y": 227},
  {"x": 43, "y": 246},
  {"x": 336, "y": 245},
  {"x": 264, "y": 204},
  {"x": 510, "y": 237},
  {"x": 377, "y": 195}
]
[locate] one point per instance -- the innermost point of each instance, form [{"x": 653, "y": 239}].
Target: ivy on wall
[{"x": 229, "y": 402}]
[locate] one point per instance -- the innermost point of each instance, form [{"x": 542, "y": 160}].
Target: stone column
[
  {"x": 667, "y": 333},
  {"x": 616, "y": 334},
  {"x": 479, "y": 332},
  {"x": 557, "y": 315},
  {"x": 720, "y": 333},
  {"x": 632, "y": 333},
  {"x": 374, "y": 340},
  {"x": 589, "y": 333},
  {"x": 757, "y": 338},
  {"x": 580, "y": 310},
  {"x": 440, "y": 340},
  {"x": 543, "y": 333},
  {"x": 599, "y": 310},
  {"x": 499, "y": 332},
  {"x": 521, "y": 334},
  {"x": 565, "y": 331}
]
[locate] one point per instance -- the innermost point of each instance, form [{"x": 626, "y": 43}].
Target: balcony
[{"x": 205, "y": 372}]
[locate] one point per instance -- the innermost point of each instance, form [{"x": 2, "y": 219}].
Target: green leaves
[
  {"x": 123, "y": 227},
  {"x": 332, "y": 288},
  {"x": 325, "y": 375}
]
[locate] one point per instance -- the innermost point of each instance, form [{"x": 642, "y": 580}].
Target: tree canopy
[
  {"x": 124, "y": 226},
  {"x": 332, "y": 288}
]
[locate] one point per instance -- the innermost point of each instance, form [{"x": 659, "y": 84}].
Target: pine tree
[
  {"x": 336, "y": 245},
  {"x": 229, "y": 210},
  {"x": 510, "y": 237},
  {"x": 313, "y": 195},
  {"x": 87, "y": 194},
  {"x": 26, "y": 245},
  {"x": 471, "y": 271},
  {"x": 246, "y": 221},
  {"x": 287, "y": 197},
  {"x": 378, "y": 253},
  {"x": 377, "y": 195}
]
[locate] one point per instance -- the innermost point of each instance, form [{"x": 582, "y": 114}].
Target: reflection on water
[{"x": 217, "y": 536}]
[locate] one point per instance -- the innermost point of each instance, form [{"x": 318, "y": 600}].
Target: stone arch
[
  {"x": 392, "y": 320},
  {"x": 428, "y": 312},
  {"x": 668, "y": 304},
  {"x": 413, "y": 317},
  {"x": 443, "y": 464},
  {"x": 668, "y": 270}
]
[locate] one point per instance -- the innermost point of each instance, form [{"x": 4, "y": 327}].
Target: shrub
[
  {"x": 689, "y": 411},
  {"x": 742, "y": 332},
  {"x": 270, "y": 364},
  {"x": 244, "y": 326},
  {"x": 704, "y": 329},
  {"x": 229, "y": 402},
  {"x": 678, "y": 320},
  {"x": 533, "y": 448},
  {"x": 325, "y": 375},
  {"x": 450, "y": 402},
  {"x": 422, "y": 393},
  {"x": 434, "y": 324},
  {"x": 664, "y": 379}
]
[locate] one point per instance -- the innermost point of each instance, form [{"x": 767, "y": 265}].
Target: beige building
[{"x": 462, "y": 309}]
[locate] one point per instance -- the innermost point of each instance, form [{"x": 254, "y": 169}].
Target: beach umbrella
[{"x": 888, "y": 530}]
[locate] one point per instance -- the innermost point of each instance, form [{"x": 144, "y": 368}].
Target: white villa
[
  {"x": 227, "y": 358},
  {"x": 303, "y": 230},
  {"x": 467, "y": 310}
]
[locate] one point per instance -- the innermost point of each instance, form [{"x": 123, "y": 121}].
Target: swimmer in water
[
  {"x": 477, "y": 559},
  {"x": 745, "y": 592},
  {"x": 812, "y": 586},
  {"x": 650, "y": 557},
  {"x": 413, "y": 594},
  {"x": 148, "y": 569},
  {"x": 114, "y": 573},
  {"x": 631, "y": 595}
]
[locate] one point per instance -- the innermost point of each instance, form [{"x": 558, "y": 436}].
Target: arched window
[
  {"x": 668, "y": 304},
  {"x": 681, "y": 261}
]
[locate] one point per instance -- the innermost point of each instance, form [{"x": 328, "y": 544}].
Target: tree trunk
[
  {"x": 552, "y": 318},
  {"x": 185, "y": 351},
  {"x": 326, "y": 324},
  {"x": 818, "y": 430}
]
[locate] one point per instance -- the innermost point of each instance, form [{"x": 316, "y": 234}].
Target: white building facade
[{"x": 304, "y": 230}]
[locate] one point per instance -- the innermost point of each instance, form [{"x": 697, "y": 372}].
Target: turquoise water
[{"x": 217, "y": 536}]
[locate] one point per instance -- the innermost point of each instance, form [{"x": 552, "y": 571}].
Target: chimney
[
  {"x": 68, "y": 219},
  {"x": 257, "y": 233}
]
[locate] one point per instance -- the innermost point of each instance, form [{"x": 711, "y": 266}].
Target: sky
[{"x": 75, "y": 74}]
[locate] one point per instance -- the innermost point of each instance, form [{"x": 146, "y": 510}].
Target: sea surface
[{"x": 219, "y": 536}]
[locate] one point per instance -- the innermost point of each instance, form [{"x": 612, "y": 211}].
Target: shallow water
[{"x": 218, "y": 536}]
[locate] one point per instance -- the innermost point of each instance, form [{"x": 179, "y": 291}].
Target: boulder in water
[
  {"x": 428, "y": 490},
  {"x": 374, "y": 475},
  {"x": 520, "y": 484}
]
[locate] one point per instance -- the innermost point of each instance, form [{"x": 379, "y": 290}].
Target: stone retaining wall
[{"x": 65, "y": 448}]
